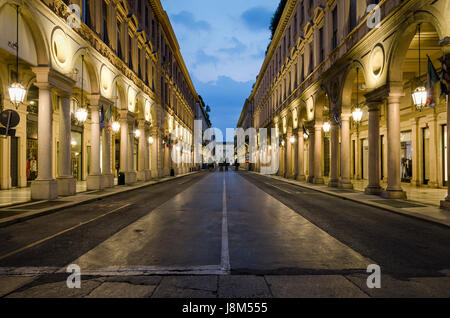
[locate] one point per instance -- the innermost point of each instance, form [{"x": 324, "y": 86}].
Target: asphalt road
[{"x": 228, "y": 222}]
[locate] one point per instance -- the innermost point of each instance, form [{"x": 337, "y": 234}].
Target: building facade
[
  {"x": 337, "y": 81},
  {"x": 116, "y": 63}
]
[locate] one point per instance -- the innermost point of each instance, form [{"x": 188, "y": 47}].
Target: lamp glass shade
[
  {"x": 292, "y": 140},
  {"x": 420, "y": 96},
  {"x": 16, "y": 93},
  {"x": 326, "y": 127},
  {"x": 150, "y": 140},
  {"x": 81, "y": 115},
  {"x": 115, "y": 126},
  {"x": 357, "y": 114},
  {"x": 137, "y": 133}
]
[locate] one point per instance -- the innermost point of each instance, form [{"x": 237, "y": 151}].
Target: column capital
[{"x": 46, "y": 77}]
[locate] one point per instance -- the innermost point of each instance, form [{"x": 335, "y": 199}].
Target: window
[
  {"x": 119, "y": 44},
  {"x": 321, "y": 53},
  {"x": 302, "y": 12},
  {"x": 352, "y": 19},
  {"x": 130, "y": 52},
  {"x": 139, "y": 63},
  {"x": 295, "y": 25},
  {"x": 311, "y": 58},
  {"x": 335, "y": 28},
  {"x": 86, "y": 14},
  {"x": 105, "y": 37},
  {"x": 302, "y": 65}
]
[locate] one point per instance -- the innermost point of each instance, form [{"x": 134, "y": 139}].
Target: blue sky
[{"x": 223, "y": 45}]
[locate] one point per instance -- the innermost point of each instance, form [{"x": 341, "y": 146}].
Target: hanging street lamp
[
  {"x": 115, "y": 126},
  {"x": 81, "y": 114},
  {"x": 326, "y": 127},
  {"x": 16, "y": 90},
  {"x": 420, "y": 94},
  {"x": 357, "y": 112},
  {"x": 150, "y": 140}
]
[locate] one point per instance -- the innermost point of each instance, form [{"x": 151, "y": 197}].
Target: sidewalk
[
  {"x": 351, "y": 285},
  {"x": 418, "y": 208},
  {"x": 21, "y": 207}
]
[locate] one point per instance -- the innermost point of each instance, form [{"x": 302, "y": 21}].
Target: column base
[
  {"x": 44, "y": 190},
  {"x": 310, "y": 179},
  {"x": 166, "y": 171},
  {"x": 155, "y": 174},
  {"x": 394, "y": 194},
  {"x": 141, "y": 175},
  {"x": 345, "y": 184},
  {"x": 445, "y": 204},
  {"x": 94, "y": 183},
  {"x": 375, "y": 190},
  {"x": 108, "y": 181},
  {"x": 333, "y": 183},
  {"x": 148, "y": 175},
  {"x": 433, "y": 184},
  {"x": 300, "y": 178},
  {"x": 130, "y": 177},
  {"x": 318, "y": 180},
  {"x": 66, "y": 186},
  {"x": 290, "y": 176}
]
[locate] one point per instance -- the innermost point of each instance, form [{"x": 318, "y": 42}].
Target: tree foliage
[{"x": 276, "y": 17}]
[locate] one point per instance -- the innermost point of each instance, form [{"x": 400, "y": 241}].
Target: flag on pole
[
  {"x": 432, "y": 78},
  {"x": 102, "y": 119},
  {"x": 336, "y": 117}
]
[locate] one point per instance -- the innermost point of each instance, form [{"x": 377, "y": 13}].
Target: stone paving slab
[
  {"x": 313, "y": 286},
  {"x": 10, "y": 283},
  {"x": 121, "y": 290},
  {"x": 243, "y": 287},
  {"x": 187, "y": 287},
  {"x": 57, "y": 290},
  {"x": 426, "y": 212},
  {"x": 433, "y": 287},
  {"x": 225, "y": 286}
]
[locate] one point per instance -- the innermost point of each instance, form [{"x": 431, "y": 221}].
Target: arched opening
[
  {"x": 22, "y": 148},
  {"x": 423, "y": 133}
]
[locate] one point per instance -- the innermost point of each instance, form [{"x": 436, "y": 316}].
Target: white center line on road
[
  {"x": 60, "y": 233},
  {"x": 225, "y": 257}
]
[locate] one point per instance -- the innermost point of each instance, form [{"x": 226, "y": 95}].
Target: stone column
[
  {"x": 311, "y": 156},
  {"x": 142, "y": 150},
  {"x": 345, "y": 152},
  {"x": 108, "y": 177},
  {"x": 433, "y": 151},
  {"x": 446, "y": 45},
  {"x": 288, "y": 155},
  {"x": 295, "y": 157},
  {"x": 95, "y": 179},
  {"x": 445, "y": 204},
  {"x": 148, "y": 173},
  {"x": 334, "y": 162},
  {"x": 318, "y": 176},
  {"x": 155, "y": 148},
  {"x": 300, "y": 156},
  {"x": 130, "y": 176},
  {"x": 394, "y": 188},
  {"x": 416, "y": 177},
  {"x": 45, "y": 186},
  {"x": 66, "y": 183},
  {"x": 374, "y": 149}
]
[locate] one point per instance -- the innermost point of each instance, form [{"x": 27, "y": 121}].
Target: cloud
[
  {"x": 202, "y": 58},
  {"x": 237, "y": 48},
  {"x": 257, "y": 18},
  {"x": 187, "y": 19},
  {"x": 226, "y": 98}
]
